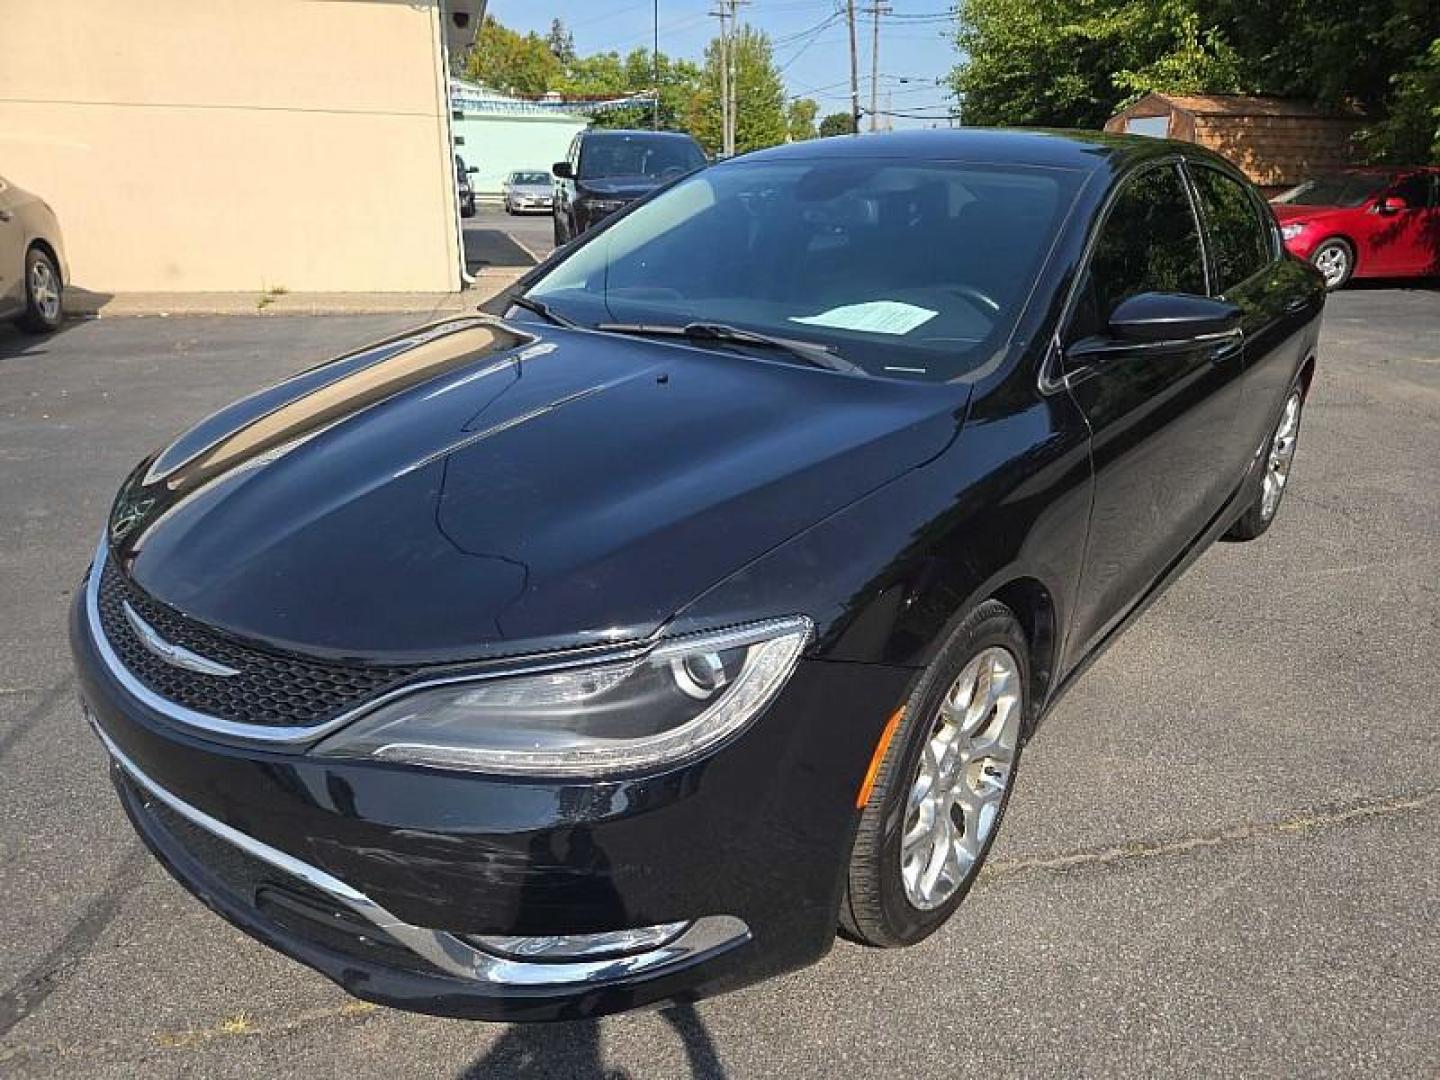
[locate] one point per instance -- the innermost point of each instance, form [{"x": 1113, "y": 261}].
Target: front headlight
[
  {"x": 675, "y": 701},
  {"x": 1289, "y": 232}
]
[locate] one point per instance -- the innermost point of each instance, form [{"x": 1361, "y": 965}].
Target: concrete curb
[{"x": 81, "y": 303}]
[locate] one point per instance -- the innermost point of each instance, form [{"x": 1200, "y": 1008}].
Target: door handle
[{"x": 6, "y": 215}]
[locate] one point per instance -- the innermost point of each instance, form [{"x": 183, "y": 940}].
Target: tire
[
  {"x": 1335, "y": 259},
  {"x": 44, "y": 294},
  {"x": 1279, "y": 456},
  {"x": 467, "y": 208},
  {"x": 881, "y": 907},
  {"x": 559, "y": 232}
]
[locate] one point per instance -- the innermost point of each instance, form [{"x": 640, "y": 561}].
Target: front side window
[
  {"x": 1148, "y": 243},
  {"x": 1239, "y": 236},
  {"x": 911, "y": 269},
  {"x": 1414, "y": 189}
]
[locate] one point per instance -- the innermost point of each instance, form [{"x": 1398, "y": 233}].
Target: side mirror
[
  {"x": 1391, "y": 204},
  {"x": 472, "y": 169},
  {"x": 563, "y": 170},
  {"x": 1157, "y": 316}
]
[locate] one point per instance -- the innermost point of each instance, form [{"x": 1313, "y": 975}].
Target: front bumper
[{"x": 371, "y": 872}]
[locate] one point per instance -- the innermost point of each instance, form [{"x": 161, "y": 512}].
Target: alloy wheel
[
  {"x": 1333, "y": 262},
  {"x": 44, "y": 290},
  {"x": 1282, "y": 455},
  {"x": 964, "y": 773}
]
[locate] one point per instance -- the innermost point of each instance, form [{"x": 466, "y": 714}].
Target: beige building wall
[{"x": 235, "y": 144}]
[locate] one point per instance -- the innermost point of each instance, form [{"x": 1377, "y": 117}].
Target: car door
[
  {"x": 1274, "y": 297},
  {"x": 565, "y": 190},
  {"x": 1158, "y": 412},
  {"x": 12, "y": 250},
  {"x": 1399, "y": 241}
]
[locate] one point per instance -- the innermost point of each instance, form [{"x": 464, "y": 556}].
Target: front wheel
[
  {"x": 559, "y": 232},
  {"x": 1279, "y": 456},
  {"x": 942, "y": 786},
  {"x": 1335, "y": 261},
  {"x": 44, "y": 294}
]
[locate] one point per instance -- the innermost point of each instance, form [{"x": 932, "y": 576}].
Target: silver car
[
  {"x": 32, "y": 261},
  {"x": 528, "y": 190}
]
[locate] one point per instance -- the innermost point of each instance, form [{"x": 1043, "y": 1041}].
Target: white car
[{"x": 528, "y": 190}]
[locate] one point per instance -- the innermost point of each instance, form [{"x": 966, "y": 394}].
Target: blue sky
[{"x": 814, "y": 58}]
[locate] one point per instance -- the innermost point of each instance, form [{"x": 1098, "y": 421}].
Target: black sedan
[{"x": 619, "y": 647}]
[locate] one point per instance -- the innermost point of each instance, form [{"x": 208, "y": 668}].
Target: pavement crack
[
  {"x": 42, "y": 980},
  {"x": 36, "y": 712},
  {"x": 1305, "y": 821}
]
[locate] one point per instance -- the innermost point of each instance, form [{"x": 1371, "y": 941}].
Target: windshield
[
  {"x": 908, "y": 269},
  {"x": 607, "y": 154},
  {"x": 530, "y": 178},
  {"x": 1336, "y": 189}
]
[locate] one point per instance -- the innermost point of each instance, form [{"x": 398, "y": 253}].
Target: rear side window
[
  {"x": 1239, "y": 236},
  {"x": 1149, "y": 243}
]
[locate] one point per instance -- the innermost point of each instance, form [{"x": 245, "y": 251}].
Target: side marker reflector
[{"x": 868, "y": 785}]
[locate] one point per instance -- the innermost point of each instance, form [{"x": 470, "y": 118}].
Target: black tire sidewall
[
  {"x": 33, "y": 320},
  {"x": 904, "y": 923}
]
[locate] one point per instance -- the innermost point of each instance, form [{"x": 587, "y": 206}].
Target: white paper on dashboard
[{"x": 873, "y": 316}]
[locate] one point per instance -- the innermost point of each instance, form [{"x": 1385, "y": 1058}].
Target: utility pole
[
  {"x": 655, "y": 65},
  {"x": 722, "y": 12},
  {"x": 734, "y": 80},
  {"x": 878, "y": 9},
  {"x": 854, "y": 69}
]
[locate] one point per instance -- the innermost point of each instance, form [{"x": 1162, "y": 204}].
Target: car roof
[
  {"x": 590, "y": 133},
  {"x": 1088, "y": 151}
]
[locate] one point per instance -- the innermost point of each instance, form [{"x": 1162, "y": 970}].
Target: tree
[
  {"x": 610, "y": 75},
  {"x": 800, "y": 119},
  {"x": 561, "y": 42},
  {"x": 1073, "y": 63},
  {"x": 511, "y": 63},
  {"x": 837, "y": 123},
  {"x": 759, "y": 95}
]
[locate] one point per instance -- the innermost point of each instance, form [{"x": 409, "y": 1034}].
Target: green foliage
[
  {"x": 1073, "y": 63},
  {"x": 800, "y": 119},
  {"x": 511, "y": 63},
  {"x": 1411, "y": 131},
  {"x": 610, "y": 75},
  {"x": 761, "y": 95},
  {"x": 837, "y": 123}
]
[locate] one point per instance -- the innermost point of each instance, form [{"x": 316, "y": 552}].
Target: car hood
[
  {"x": 531, "y": 189},
  {"x": 1289, "y": 212},
  {"x": 481, "y": 488}
]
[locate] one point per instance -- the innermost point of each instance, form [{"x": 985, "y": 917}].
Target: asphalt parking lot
[
  {"x": 496, "y": 239},
  {"x": 1223, "y": 855}
]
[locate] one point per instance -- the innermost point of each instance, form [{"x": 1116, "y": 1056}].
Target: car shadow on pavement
[
  {"x": 572, "y": 1050},
  {"x": 15, "y": 342}
]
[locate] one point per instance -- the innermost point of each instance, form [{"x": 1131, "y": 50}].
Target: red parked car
[{"x": 1381, "y": 222}]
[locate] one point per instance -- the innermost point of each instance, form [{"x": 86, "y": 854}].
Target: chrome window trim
[
  {"x": 446, "y": 951},
  {"x": 1053, "y": 376}
]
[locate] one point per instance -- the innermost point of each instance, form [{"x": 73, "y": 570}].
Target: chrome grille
[{"x": 270, "y": 689}]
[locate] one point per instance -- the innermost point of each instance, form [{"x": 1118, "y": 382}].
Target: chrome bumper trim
[{"x": 444, "y": 950}]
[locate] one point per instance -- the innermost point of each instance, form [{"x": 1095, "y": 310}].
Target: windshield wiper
[
  {"x": 819, "y": 355},
  {"x": 544, "y": 310}
]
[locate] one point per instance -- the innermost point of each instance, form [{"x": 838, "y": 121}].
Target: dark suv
[{"x": 607, "y": 170}]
